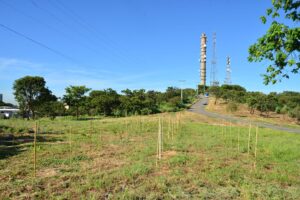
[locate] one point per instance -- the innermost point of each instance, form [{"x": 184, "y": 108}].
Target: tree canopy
[
  {"x": 74, "y": 97},
  {"x": 31, "y": 92},
  {"x": 281, "y": 43}
]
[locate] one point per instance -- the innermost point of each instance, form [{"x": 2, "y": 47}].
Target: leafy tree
[
  {"x": 216, "y": 91},
  {"x": 262, "y": 103},
  {"x": 295, "y": 113},
  {"x": 252, "y": 104},
  {"x": 52, "y": 109},
  {"x": 202, "y": 88},
  {"x": 266, "y": 103},
  {"x": 172, "y": 92},
  {"x": 234, "y": 93},
  {"x": 30, "y": 92},
  {"x": 104, "y": 102},
  {"x": 75, "y": 97},
  {"x": 281, "y": 44}
]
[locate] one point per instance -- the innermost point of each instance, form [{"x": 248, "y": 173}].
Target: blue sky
[{"x": 131, "y": 44}]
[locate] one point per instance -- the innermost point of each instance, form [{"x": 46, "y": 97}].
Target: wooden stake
[
  {"x": 161, "y": 136},
  {"x": 255, "y": 151},
  {"x": 91, "y": 128},
  {"x": 159, "y": 139},
  {"x": 249, "y": 137},
  {"x": 230, "y": 134},
  {"x": 169, "y": 127},
  {"x": 126, "y": 122},
  {"x": 239, "y": 140},
  {"x": 34, "y": 147},
  {"x": 70, "y": 144}
]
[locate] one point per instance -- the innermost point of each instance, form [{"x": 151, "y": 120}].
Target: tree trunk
[{"x": 33, "y": 114}]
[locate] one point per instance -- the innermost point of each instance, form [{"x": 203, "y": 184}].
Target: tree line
[
  {"x": 36, "y": 100},
  {"x": 287, "y": 102}
]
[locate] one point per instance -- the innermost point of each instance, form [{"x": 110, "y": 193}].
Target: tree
[
  {"x": 252, "y": 104},
  {"x": 295, "y": 113},
  {"x": 52, "y": 109},
  {"x": 30, "y": 92},
  {"x": 234, "y": 93},
  {"x": 74, "y": 97},
  {"x": 281, "y": 44},
  {"x": 216, "y": 91},
  {"x": 104, "y": 101}
]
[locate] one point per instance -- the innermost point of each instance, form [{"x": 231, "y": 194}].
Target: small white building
[{"x": 8, "y": 112}]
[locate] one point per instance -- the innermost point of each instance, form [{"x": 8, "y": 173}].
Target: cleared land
[{"x": 116, "y": 158}]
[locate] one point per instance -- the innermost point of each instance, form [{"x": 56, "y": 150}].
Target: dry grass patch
[{"x": 244, "y": 112}]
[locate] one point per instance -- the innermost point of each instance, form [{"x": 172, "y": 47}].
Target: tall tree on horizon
[
  {"x": 74, "y": 97},
  {"x": 30, "y": 92}
]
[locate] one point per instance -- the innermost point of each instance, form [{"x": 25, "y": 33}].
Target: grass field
[{"x": 116, "y": 158}]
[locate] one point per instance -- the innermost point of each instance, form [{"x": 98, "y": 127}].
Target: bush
[
  {"x": 232, "y": 107},
  {"x": 295, "y": 113},
  {"x": 278, "y": 109},
  {"x": 284, "y": 110}
]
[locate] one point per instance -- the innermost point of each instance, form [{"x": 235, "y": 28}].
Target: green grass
[{"x": 116, "y": 158}]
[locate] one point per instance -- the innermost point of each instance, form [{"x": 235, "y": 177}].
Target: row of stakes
[{"x": 172, "y": 127}]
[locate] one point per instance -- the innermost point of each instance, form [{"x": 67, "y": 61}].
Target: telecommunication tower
[
  {"x": 228, "y": 72},
  {"x": 203, "y": 60},
  {"x": 213, "y": 70}
]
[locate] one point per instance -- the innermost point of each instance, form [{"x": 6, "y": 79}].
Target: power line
[
  {"x": 38, "y": 43},
  {"x": 67, "y": 36},
  {"x": 91, "y": 40},
  {"x": 110, "y": 44}
]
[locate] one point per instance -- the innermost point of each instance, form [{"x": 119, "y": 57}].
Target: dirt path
[{"x": 199, "y": 107}]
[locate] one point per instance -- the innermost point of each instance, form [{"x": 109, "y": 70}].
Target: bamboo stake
[
  {"x": 159, "y": 139},
  {"x": 172, "y": 129},
  {"x": 169, "y": 127},
  {"x": 161, "y": 136},
  {"x": 126, "y": 122},
  {"x": 255, "y": 151},
  {"x": 158, "y": 142},
  {"x": 34, "y": 147},
  {"x": 91, "y": 134},
  {"x": 249, "y": 137},
  {"x": 239, "y": 140},
  {"x": 70, "y": 144},
  {"x": 226, "y": 142}
]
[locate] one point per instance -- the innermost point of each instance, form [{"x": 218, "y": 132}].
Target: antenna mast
[
  {"x": 228, "y": 72},
  {"x": 213, "y": 72}
]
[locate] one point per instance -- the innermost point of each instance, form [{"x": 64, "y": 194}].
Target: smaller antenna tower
[{"x": 228, "y": 72}]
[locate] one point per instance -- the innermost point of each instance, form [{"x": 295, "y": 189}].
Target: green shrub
[
  {"x": 284, "y": 110},
  {"x": 232, "y": 107},
  {"x": 295, "y": 113}
]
